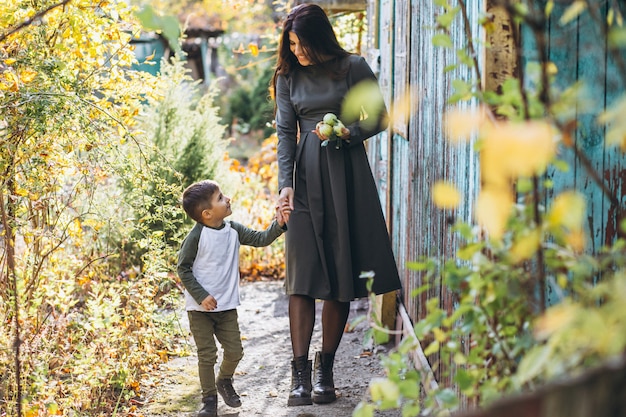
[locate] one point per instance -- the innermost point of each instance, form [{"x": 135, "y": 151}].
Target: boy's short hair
[{"x": 197, "y": 197}]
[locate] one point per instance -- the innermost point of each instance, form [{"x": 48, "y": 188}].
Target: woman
[{"x": 327, "y": 194}]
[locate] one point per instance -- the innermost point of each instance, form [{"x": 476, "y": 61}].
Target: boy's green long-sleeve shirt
[{"x": 208, "y": 261}]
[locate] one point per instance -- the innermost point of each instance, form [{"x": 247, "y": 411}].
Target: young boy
[{"x": 208, "y": 266}]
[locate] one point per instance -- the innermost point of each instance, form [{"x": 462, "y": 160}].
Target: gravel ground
[{"x": 264, "y": 374}]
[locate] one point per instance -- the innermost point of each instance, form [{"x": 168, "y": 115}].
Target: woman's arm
[{"x": 287, "y": 131}]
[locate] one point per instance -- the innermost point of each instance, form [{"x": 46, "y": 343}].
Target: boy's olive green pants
[{"x": 205, "y": 328}]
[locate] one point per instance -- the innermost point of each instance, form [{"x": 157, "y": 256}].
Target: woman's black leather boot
[
  {"x": 324, "y": 388},
  {"x": 300, "y": 382}
]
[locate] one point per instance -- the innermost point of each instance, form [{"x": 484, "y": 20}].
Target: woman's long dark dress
[{"x": 337, "y": 229}]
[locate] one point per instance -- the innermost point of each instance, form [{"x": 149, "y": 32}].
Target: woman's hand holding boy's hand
[
  {"x": 280, "y": 218},
  {"x": 285, "y": 203},
  {"x": 209, "y": 303}
]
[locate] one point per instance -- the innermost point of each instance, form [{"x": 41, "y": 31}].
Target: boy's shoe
[
  {"x": 226, "y": 390},
  {"x": 209, "y": 409}
]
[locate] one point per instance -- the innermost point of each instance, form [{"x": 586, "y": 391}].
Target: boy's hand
[
  {"x": 285, "y": 203},
  {"x": 280, "y": 219},
  {"x": 209, "y": 303}
]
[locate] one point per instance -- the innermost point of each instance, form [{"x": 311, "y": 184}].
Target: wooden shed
[{"x": 200, "y": 44}]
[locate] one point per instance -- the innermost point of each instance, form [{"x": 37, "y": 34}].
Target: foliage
[
  {"x": 250, "y": 109},
  {"x": 183, "y": 142},
  {"x": 499, "y": 337},
  {"x": 253, "y": 205},
  {"x": 77, "y": 320},
  {"x": 94, "y": 159}
]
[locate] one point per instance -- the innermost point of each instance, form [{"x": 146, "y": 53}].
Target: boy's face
[{"x": 220, "y": 206}]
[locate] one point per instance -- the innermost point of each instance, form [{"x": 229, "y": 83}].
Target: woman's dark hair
[
  {"x": 197, "y": 197},
  {"x": 310, "y": 23}
]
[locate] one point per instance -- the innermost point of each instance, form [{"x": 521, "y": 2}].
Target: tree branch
[{"x": 28, "y": 22}]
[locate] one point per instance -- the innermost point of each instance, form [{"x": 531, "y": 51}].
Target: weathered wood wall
[
  {"x": 579, "y": 52},
  {"x": 414, "y": 154}
]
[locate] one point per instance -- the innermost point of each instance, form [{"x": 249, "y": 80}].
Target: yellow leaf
[
  {"x": 10, "y": 61},
  {"x": 573, "y": 11},
  {"x": 445, "y": 195},
  {"x": 440, "y": 336},
  {"x": 493, "y": 208},
  {"x": 11, "y": 80},
  {"x": 21, "y": 191},
  {"x": 31, "y": 412},
  {"x": 576, "y": 240},
  {"x": 514, "y": 150},
  {"x": 554, "y": 319},
  {"x": 53, "y": 408},
  {"x": 462, "y": 124},
  {"x": 525, "y": 246},
  {"x": 401, "y": 107},
  {"x": 568, "y": 211},
  {"x": 254, "y": 48},
  {"x": 27, "y": 75},
  {"x": 432, "y": 348}
]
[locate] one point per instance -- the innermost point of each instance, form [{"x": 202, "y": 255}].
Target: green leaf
[
  {"x": 167, "y": 25},
  {"x": 572, "y": 12},
  {"x": 417, "y": 266},
  {"x": 549, "y": 8},
  {"x": 411, "y": 409},
  {"x": 409, "y": 389},
  {"x": 432, "y": 348},
  {"x": 363, "y": 102},
  {"x": 561, "y": 165},
  {"x": 464, "y": 379},
  {"x": 450, "y": 67},
  {"x": 381, "y": 337},
  {"x": 363, "y": 409},
  {"x": 442, "y": 40},
  {"x": 524, "y": 185},
  {"x": 417, "y": 291},
  {"x": 533, "y": 363},
  {"x": 448, "y": 397},
  {"x": 445, "y": 20},
  {"x": 467, "y": 252}
]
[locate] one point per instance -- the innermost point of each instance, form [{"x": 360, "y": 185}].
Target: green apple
[
  {"x": 330, "y": 119},
  {"x": 325, "y": 129},
  {"x": 338, "y": 128}
]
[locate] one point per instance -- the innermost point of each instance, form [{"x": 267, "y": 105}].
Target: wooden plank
[{"x": 417, "y": 354}]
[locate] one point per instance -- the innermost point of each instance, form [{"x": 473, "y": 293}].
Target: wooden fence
[{"x": 414, "y": 154}]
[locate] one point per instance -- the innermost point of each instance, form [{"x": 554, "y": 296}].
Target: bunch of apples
[{"x": 332, "y": 128}]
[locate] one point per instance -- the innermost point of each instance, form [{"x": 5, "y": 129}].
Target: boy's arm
[
  {"x": 186, "y": 257},
  {"x": 251, "y": 237}
]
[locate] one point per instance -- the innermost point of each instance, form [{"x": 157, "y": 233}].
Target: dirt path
[{"x": 264, "y": 375}]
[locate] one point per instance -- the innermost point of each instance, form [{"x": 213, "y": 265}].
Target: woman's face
[{"x": 298, "y": 50}]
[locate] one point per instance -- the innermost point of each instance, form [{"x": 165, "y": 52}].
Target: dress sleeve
[
  {"x": 287, "y": 131},
  {"x": 251, "y": 237},
  {"x": 377, "y": 117}
]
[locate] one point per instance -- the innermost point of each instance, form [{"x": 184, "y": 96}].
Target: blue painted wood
[
  {"x": 419, "y": 153},
  {"x": 146, "y": 46},
  {"x": 575, "y": 49}
]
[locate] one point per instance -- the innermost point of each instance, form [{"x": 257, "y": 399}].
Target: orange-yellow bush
[{"x": 253, "y": 205}]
